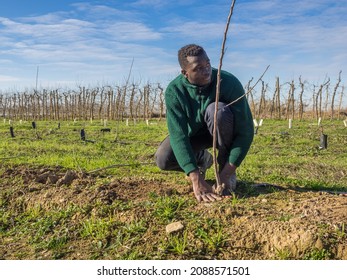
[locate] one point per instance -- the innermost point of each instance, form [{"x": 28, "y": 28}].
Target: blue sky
[{"x": 94, "y": 42}]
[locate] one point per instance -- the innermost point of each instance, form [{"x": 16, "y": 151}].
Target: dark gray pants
[{"x": 166, "y": 159}]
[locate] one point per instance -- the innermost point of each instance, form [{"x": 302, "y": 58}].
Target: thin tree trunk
[
  {"x": 333, "y": 96},
  {"x": 326, "y": 101},
  {"x": 340, "y": 102},
  {"x": 250, "y": 95},
  {"x": 301, "y": 104},
  {"x": 132, "y": 102},
  {"x": 161, "y": 104},
  {"x": 278, "y": 98}
]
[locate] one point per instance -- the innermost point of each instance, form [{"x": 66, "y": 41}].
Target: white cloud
[
  {"x": 98, "y": 42},
  {"x": 70, "y": 39},
  {"x": 207, "y": 31},
  {"x": 131, "y": 31},
  {"x": 4, "y": 78},
  {"x": 163, "y": 4}
]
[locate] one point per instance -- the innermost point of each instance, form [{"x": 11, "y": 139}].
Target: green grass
[
  {"x": 212, "y": 234},
  {"x": 133, "y": 227},
  {"x": 178, "y": 244},
  {"x": 278, "y": 155},
  {"x": 292, "y": 156},
  {"x": 167, "y": 208},
  {"x": 317, "y": 254},
  {"x": 65, "y": 148}
]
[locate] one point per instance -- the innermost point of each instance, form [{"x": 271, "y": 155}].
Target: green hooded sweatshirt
[{"x": 185, "y": 108}]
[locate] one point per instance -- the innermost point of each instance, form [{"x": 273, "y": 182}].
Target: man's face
[{"x": 198, "y": 70}]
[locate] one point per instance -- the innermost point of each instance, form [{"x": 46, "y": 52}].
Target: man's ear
[{"x": 184, "y": 73}]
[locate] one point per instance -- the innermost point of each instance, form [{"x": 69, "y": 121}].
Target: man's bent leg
[
  {"x": 165, "y": 157},
  {"x": 225, "y": 129}
]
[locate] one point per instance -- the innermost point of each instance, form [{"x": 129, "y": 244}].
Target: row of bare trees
[
  {"x": 297, "y": 100},
  {"x": 290, "y": 100},
  {"x": 106, "y": 102}
]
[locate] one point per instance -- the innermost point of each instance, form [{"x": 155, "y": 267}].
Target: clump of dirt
[{"x": 264, "y": 223}]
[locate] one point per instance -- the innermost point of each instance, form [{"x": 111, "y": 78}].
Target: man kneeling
[{"x": 190, "y": 106}]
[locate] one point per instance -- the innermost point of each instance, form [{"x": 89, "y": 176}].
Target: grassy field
[{"x": 104, "y": 198}]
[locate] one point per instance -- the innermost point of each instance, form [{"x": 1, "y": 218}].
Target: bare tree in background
[
  {"x": 340, "y": 102},
  {"x": 162, "y": 102},
  {"x": 318, "y": 101},
  {"x": 250, "y": 94},
  {"x": 262, "y": 102},
  {"x": 277, "y": 98},
  {"x": 301, "y": 103},
  {"x": 334, "y": 94}
]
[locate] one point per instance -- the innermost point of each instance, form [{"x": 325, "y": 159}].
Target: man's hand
[
  {"x": 202, "y": 190},
  {"x": 228, "y": 177}
]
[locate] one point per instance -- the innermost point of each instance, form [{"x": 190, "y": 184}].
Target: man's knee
[
  {"x": 160, "y": 159},
  {"x": 224, "y": 112},
  {"x": 225, "y": 115}
]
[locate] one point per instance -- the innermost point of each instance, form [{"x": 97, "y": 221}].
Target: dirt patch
[
  {"x": 292, "y": 225},
  {"x": 261, "y": 222}
]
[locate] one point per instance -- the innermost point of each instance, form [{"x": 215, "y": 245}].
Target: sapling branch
[
  {"x": 218, "y": 183},
  {"x": 219, "y": 187},
  {"x": 250, "y": 89}
]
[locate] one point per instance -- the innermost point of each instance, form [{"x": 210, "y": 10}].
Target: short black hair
[{"x": 189, "y": 50}]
